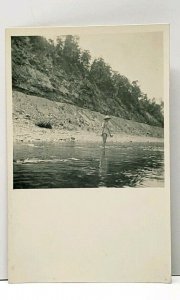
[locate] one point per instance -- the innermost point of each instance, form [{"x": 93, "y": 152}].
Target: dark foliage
[
  {"x": 44, "y": 125},
  {"x": 61, "y": 71}
]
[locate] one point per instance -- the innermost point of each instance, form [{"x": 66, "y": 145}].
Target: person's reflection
[
  {"x": 70, "y": 150},
  {"x": 103, "y": 168}
]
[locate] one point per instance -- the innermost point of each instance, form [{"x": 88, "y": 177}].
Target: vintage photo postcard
[{"x": 88, "y": 154}]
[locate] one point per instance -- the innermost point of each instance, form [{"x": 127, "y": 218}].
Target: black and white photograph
[
  {"x": 88, "y": 110},
  {"x": 88, "y": 154}
]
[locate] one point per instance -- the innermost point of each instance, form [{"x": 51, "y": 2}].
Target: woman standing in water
[{"x": 105, "y": 130}]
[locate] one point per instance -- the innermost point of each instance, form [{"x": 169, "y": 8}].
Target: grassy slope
[{"x": 68, "y": 120}]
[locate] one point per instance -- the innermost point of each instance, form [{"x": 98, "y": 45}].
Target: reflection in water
[
  {"x": 103, "y": 168},
  {"x": 72, "y": 165}
]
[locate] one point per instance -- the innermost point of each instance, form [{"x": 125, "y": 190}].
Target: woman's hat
[{"x": 107, "y": 117}]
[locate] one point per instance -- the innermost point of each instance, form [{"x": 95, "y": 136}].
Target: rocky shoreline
[
  {"x": 71, "y": 123},
  {"x": 31, "y": 134}
]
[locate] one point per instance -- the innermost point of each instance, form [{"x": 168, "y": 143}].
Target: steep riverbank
[{"x": 70, "y": 122}]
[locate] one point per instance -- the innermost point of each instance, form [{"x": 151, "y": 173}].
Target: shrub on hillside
[{"x": 44, "y": 125}]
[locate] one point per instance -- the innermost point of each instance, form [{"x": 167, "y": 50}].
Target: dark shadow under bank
[{"x": 72, "y": 165}]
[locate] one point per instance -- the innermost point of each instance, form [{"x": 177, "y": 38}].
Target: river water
[{"x": 88, "y": 165}]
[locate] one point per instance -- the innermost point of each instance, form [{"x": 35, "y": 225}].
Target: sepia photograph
[{"x": 88, "y": 110}]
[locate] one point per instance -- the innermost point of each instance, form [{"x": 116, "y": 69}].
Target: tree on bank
[{"x": 61, "y": 71}]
